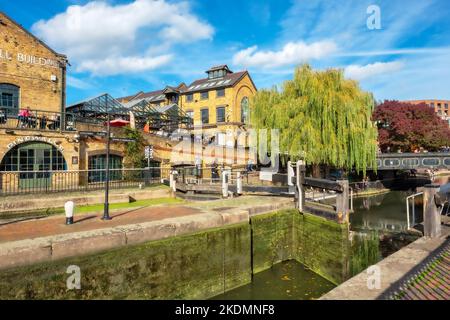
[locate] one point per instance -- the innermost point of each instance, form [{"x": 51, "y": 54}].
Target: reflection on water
[
  {"x": 285, "y": 281},
  {"x": 385, "y": 212}
]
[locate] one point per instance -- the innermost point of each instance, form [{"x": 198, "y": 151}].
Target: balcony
[{"x": 11, "y": 118}]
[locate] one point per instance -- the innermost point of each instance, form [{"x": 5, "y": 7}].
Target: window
[
  {"x": 205, "y": 116},
  {"x": 97, "y": 166},
  {"x": 190, "y": 114},
  {"x": 190, "y": 97},
  {"x": 446, "y": 106},
  {"x": 204, "y": 95},
  {"x": 220, "y": 93},
  {"x": 220, "y": 114},
  {"x": 245, "y": 111},
  {"x": 432, "y": 104},
  {"x": 9, "y": 96}
]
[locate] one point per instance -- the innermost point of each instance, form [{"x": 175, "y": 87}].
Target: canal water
[
  {"x": 288, "y": 280},
  {"x": 380, "y": 218}
]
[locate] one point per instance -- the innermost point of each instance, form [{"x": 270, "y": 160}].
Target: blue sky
[{"x": 122, "y": 47}]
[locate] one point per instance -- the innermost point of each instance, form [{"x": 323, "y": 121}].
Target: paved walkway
[{"x": 55, "y": 225}]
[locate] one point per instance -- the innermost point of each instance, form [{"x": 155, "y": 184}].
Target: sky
[{"x": 396, "y": 49}]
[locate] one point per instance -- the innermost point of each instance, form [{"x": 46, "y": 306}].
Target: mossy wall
[{"x": 196, "y": 266}]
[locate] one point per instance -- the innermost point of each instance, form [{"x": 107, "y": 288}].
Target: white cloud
[
  {"x": 358, "y": 72},
  {"x": 77, "y": 83},
  {"x": 291, "y": 53},
  {"x": 101, "y": 32},
  {"x": 116, "y": 65}
]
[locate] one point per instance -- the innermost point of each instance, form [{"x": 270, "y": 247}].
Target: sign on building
[{"x": 149, "y": 152}]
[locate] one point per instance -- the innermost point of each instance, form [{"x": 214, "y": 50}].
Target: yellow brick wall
[
  {"x": 232, "y": 100},
  {"x": 37, "y": 91}
]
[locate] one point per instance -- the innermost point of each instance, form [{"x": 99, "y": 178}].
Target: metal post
[
  {"x": 300, "y": 171},
  {"x": 108, "y": 145},
  {"x": 431, "y": 213},
  {"x": 342, "y": 209}
]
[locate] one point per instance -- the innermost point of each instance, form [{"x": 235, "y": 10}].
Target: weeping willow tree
[{"x": 323, "y": 119}]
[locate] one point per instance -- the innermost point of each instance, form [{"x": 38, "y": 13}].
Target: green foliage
[
  {"x": 134, "y": 151},
  {"x": 322, "y": 117}
]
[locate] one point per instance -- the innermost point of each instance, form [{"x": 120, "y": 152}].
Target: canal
[{"x": 378, "y": 229}]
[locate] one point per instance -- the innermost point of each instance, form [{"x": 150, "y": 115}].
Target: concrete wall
[{"x": 191, "y": 266}]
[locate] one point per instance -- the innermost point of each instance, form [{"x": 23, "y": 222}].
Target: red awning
[{"x": 119, "y": 123}]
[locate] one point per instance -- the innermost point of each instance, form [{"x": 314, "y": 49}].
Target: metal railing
[
  {"x": 37, "y": 120},
  {"x": 412, "y": 199},
  {"x": 32, "y": 182}
]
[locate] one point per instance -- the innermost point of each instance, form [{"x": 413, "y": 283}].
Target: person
[
  {"x": 43, "y": 122},
  {"x": 250, "y": 165},
  {"x": 3, "y": 116},
  {"x": 23, "y": 117}
]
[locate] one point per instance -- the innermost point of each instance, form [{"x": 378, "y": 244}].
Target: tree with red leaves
[{"x": 408, "y": 127}]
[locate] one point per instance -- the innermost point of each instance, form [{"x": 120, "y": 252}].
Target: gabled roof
[
  {"x": 224, "y": 82},
  {"x": 33, "y": 36}
]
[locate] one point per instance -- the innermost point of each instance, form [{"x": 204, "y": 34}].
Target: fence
[
  {"x": 37, "y": 120},
  {"x": 29, "y": 182}
]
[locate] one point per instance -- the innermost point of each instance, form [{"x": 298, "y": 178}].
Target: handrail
[{"x": 413, "y": 196}]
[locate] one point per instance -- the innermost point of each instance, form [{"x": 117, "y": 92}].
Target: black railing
[
  {"x": 28, "y": 182},
  {"x": 11, "y": 118}
]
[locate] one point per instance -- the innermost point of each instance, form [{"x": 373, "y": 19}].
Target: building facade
[
  {"x": 216, "y": 103},
  {"x": 440, "y": 107}
]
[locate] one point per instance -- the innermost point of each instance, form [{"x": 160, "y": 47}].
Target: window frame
[
  {"x": 202, "y": 97},
  {"x": 220, "y": 90},
  {"x": 224, "y": 114},
  {"x": 189, "y": 97},
  {"x": 201, "y": 115}
]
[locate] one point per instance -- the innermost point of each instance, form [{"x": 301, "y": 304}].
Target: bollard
[
  {"x": 431, "y": 213},
  {"x": 174, "y": 181},
  {"x": 171, "y": 180},
  {"x": 239, "y": 183},
  {"x": 69, "y": 207},
  {"x": 225, "y": 183}
]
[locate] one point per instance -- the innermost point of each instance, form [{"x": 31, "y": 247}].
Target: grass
[
  {"x": 95, "y": 208},
  {"x": 129, "y": 205}
]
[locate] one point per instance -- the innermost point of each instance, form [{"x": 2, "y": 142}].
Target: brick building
[{"x": 440, "y": 107}]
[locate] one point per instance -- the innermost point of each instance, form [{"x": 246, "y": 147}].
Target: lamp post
[{"x": 106, "y": 216}]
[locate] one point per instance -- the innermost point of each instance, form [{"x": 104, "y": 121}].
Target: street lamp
[{"x": 106, "y": 216}]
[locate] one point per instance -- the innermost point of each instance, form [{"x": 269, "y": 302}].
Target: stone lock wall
[{"x": 193, "y": 266}]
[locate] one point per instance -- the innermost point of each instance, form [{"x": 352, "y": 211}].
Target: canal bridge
[{"x": 409, "y": 161}]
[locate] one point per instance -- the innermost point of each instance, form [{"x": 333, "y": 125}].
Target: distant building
[
  {"x": 217, "y": 102},
  {"x": 440, "y": 107}
]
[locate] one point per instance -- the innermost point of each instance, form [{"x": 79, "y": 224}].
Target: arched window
[
  {"x": 9, "y": 97},
  {"x": 35, "y": 161},
  {"x": 245, "y": 110}
]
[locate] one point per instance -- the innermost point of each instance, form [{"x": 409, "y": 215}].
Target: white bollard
[
  {"x": 171, "y": 180},
  {"x": 69, "y": 207},
  {"x": 239, "y": 183},
  {"x": 225, "y": 183},
  {"x": 174, "y": 181}
]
